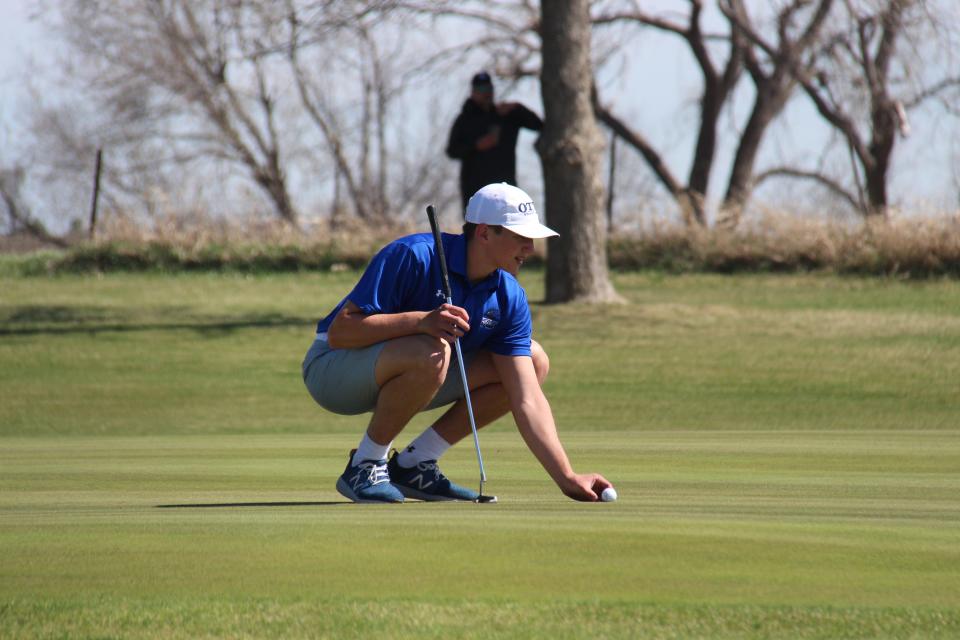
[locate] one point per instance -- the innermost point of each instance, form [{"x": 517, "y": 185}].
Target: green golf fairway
[{"x": 786, "y": 450}]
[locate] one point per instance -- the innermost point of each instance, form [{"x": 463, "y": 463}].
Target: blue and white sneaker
[
  {"x": 426, "y": 482},
  {"x": 367, "y": 481}
]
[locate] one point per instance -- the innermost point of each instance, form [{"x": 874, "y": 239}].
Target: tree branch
[
  {"x": 326, "y": 128},
  {"x": 736, "y": 14},
  {"x": 892, "y": 22},
  {"x": 642, "y": 18},
  {"x": 933, "y": 91},
  {"x": 8, "y": 193},
  {"x": 638, "y": 142},
  {"x": 830, "y": 184}
]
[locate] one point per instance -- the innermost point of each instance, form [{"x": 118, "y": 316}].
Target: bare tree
[
  {"x": 570, "y": 147},
  {"x": 18, "y": 214},
  {"x": 509, "y": 35},
  {"x": 356, "y": 134},
  {"x": 718, "y": 83},
  {"x": 772, "y": 69},
  {"x": 864, "y": 86},
  {"x": 289, "y": 97},
  {"x": 325, "y": 117},
  {"x": 54, "y": 155},
  {"x": 187, "y": 73}
]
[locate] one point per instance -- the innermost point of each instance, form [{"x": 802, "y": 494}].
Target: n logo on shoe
[{"x": 419, "y": 479}]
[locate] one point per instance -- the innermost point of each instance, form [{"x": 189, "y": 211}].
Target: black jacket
[{"x": 499, "y": 164}]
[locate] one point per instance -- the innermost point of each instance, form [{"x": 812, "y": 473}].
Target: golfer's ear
[{"x": 482, "y": 231}]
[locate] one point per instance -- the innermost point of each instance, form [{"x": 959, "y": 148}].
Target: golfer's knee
[
  {"x": 432, "y": 362},
  {"x": 541, "y": 361},
  {"x": 422, "y": 358}
]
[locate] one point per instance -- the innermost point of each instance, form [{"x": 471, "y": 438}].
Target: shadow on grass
[
  {"x": 222, "y": 505},
  {"x": 63, "y": 320},
  {"x": 55, "y": 313}
]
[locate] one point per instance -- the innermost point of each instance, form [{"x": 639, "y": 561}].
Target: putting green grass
[{"x": 786, "y": 449}]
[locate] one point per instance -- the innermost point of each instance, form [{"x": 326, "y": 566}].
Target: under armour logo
[{"x": 439, "y": 294}]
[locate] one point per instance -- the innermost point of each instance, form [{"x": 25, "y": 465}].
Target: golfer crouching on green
[{"x": 387, "y": 348}]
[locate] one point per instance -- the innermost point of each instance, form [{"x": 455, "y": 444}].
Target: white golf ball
[{"x": 609, "y": 495}]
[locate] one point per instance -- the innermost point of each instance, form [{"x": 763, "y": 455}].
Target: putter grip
[{"x": 438, "y": 246}]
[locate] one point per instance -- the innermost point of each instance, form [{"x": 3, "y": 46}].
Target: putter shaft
[
  {"x": 466, "y": 395},
  {"x": 448, "y": 293}
]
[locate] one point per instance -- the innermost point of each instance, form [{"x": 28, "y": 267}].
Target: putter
[{"x": 448, "y": 292}]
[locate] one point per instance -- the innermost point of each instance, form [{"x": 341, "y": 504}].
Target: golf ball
[{"x": 609, "y": 494}]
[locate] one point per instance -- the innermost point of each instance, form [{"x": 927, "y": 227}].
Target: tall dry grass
[
  {"x": 914, "y": 247},
  {"x": 905, "y": 246},
  {"x": 200, "y": 243}
]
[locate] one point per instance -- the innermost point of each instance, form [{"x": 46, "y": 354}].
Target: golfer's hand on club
[
  {"x": 585, "y": 487},
  {"x": 446, "y": 322}
]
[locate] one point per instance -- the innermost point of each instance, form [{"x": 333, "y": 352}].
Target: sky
[
  {"x": 656, "y": 92},
  {"x": 16, "y": 33}
]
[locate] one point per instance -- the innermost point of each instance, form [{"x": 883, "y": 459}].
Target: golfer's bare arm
[
  {"x": 534, "y": 418},
  {"x": 354, "y": 329}
]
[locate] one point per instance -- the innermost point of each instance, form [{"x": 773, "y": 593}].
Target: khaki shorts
[{"x": 343, "y": 381}]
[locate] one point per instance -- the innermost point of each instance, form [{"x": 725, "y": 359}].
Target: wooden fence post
[{"x": 96, "y": 194}]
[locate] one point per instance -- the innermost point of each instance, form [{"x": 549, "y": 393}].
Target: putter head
[{"x": 482, "y": 499}]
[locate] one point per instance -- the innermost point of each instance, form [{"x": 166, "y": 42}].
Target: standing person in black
[{"x": 484, "y": 137}]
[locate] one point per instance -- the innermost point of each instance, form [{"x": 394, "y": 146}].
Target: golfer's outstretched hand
[
  {"x": 585, "y": 487},
  {"x": 446, "y": 322}
]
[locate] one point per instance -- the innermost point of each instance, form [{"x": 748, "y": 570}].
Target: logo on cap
[{"x": 526, "y": 207}]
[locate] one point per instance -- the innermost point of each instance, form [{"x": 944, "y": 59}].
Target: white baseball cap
[{"x": 509, "y": 207}]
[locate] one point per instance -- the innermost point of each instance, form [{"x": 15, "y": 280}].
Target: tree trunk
[
  {"x": 772, "y": 96},
  {"x": 875, "y": 174},
  {"x": 693, "y": 198},
  {"x": 884, "y": 124},
  {"x": 274, "y": 183},
  {"x": 570, "y": 149},
  {"x": 699, "y": 179},
  {"x": 714, "y": 96}
]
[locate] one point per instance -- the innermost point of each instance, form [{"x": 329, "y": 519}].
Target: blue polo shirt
[{"x": 405, "y": 276}]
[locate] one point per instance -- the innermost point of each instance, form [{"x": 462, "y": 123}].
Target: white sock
[
  {"x": 370, "y": 450},
  {"x": 429, "y": 445}
]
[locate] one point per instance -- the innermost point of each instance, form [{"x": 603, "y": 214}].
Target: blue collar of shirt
[{"x": 457, "y": 263}]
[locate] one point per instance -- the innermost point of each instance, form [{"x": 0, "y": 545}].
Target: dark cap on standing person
[{"x": 482, "y": 81}]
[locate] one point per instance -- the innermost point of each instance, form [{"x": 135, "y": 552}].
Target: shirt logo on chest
[{"x": 490, "y": 319}]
